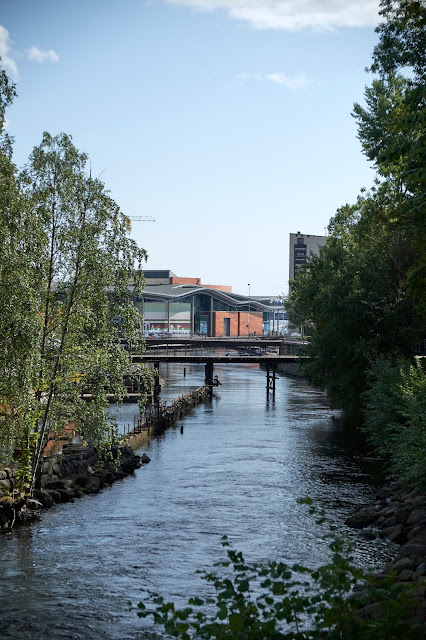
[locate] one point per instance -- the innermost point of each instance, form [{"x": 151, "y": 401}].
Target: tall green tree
[
  {"x": 86, "y": 265},
  {"x": 392, "y": 125},
  {"x": 352, "y": 294},
  {"x": 68, "y": 270},
  {"x": 19, "y": 238},
  {"x": 365, "y": 292}
]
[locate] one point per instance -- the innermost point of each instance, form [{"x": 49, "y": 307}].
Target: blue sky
[{"x": 228, "y": 121}]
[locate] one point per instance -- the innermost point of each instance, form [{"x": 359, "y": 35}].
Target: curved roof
[{"x": 175, "y": 292}]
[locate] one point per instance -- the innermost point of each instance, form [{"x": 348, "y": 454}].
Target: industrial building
[{"x": 176, "y": 305}]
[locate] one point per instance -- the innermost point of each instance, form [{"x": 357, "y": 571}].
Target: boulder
[
  {"x": 414, "y": 549},
  {"x": 44, "y": 497},
  {"x": 33, "y": 505},
  {"x": 81, "y": 481},
  {"x": 55, "y": 495},
  {"x": 419, "y": 530},
  {"x": 359, "y": 520},
  {"x": 105, "y": 476},
  {"x": 415, "y": 516},
  {"x": 387, "y": 532},
  {"x": 405, "y": 576},
  {"x": 67, "y": 495},
  {"x": 145, "y": 459},
  {"x": 389, "y": 522},
  {"x": 402, "y": 515},
  {"x": 64, "y": 483},
  {"x": 404, "y": 563},
  {"x": 93, "y": 484},
  {"x": 5, "y": 486},
  {"x": 419, "y": 574},
  {"x": 27, "y": 515}
]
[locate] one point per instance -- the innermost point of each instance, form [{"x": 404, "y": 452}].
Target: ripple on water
[{"x": 237, "y": 469}]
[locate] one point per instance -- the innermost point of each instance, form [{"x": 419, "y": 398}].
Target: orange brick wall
[
  {"x": 176, "y": 280},
  {"x": 238, "y": 324},
  {"x": 218, "y": 317},
  {"x": 256, "y": 323}
]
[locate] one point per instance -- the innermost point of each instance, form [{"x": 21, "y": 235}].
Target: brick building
[{"x": 171, "y": 304}]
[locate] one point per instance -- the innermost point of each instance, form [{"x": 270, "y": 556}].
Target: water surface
[{"x": 237, "y": 469}]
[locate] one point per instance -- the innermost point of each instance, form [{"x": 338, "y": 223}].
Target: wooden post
[
  {"x": 157, "y": 386},
  {"x": 208, "y": 380}
]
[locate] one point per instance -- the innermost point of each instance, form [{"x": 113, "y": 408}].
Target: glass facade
[{"x": 169, "y": 316}]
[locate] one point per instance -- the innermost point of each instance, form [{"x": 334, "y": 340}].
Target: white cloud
[
  {"x": 35, "y": 54},
  {"x": 294, "y": 15},
  {"x": 300, "y": 81},
  {"x": 7, "y": 61}
]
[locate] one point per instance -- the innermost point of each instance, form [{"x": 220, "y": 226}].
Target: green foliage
[
  {"x": 275, "y": 601},
  {"x": 392, "y": 126},
  {"x": 68, "y": 271},
  {"x": 384, "y": 404},
  {"x": 353, "y": 294},
  {"x": 87, "y": 263},
  {"x": 396, "y": 417},
  {"x": 364, "y": 294}
]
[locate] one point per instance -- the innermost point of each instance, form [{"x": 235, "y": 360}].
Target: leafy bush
[
  {"x": 274, "y": 601},
  {"x": 396, "y": 417}
]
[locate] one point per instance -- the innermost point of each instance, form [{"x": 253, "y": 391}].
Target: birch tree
[
  {"x": 19, "y": 299},
  {"x": 86, "y": 265}
]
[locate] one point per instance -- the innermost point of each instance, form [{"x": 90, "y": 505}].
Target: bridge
[
  {"x": 235, "y": 342},
  {"x": 270, "y": 361}
]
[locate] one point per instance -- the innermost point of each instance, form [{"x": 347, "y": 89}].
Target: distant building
[
  {"x": 176, "y": 305},
  {"x": 301, "y": 246}
]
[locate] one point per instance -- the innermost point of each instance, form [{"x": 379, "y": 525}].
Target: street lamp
[{"x": 249, "y": 311}]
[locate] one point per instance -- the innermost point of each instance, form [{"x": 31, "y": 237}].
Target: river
[{"x": 237, "y": 468}]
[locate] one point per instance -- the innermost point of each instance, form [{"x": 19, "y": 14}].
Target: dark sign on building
[{"x": 300, "y": 254}]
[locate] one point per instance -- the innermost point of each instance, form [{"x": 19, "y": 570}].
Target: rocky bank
[
  {"x": 72, "y": 474},
  {"x": 400, "y": 517}
]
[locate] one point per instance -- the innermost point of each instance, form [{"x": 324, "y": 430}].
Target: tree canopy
[
  {"x": 364, "y": 293},
  {"x": 68, "y": 271}
]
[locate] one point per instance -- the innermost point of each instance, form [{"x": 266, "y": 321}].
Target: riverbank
[
  {"x": 400, "y": 517},
  {"x": 76, "y": 472},
  {"x": 168, "y": 415}
]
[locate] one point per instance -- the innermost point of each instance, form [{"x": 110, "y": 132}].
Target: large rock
[
  {"x": 67, "y": 495},
  {"x": 55, "y": 495},
  {"x": 5, "y": 486},
  {"x": 404, "y": 563},
  {"x": 361, "y": 518},
  {"x": 106, "y": 476},
  {"x": 33, "y": 505},
  {"x": 93, "y": 484},
  {"x": 414, "y": 549},
  {"x": 44, "y": 497}
]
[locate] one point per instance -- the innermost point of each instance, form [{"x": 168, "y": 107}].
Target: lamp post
[{"x": 249, "y": 311}]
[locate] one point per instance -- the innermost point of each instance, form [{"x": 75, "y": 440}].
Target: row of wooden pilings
[
  {"x": 160, "y": 415},
  {"x": 271, "y": 377}
]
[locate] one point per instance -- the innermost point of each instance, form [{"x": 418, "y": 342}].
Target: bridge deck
[{"x": 215, "y": 359}]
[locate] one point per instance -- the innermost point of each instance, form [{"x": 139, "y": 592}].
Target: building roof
[{"x": 176, "y": 292}]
